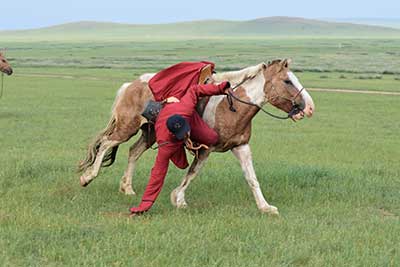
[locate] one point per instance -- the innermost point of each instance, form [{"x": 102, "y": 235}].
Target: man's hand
[
  {"x": 136, "y": 214},
  {"x": 172, "y": 99},
  {"x": 226, "y": 86},
  {"x": 143, "y": 207}
]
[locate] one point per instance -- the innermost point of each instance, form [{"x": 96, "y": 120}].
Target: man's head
[{"x": 178, "y": 126}]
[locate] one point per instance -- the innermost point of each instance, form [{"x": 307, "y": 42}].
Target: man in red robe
[{"x": 176, "y": 122}]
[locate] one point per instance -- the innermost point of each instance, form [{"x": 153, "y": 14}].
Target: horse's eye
[
  {"x": 288, "y": 82},
  {"x": 3, "y": 61}
]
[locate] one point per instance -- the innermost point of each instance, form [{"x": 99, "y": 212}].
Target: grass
[
  {"x": 334, "y": 178},
  {"x": 312, "y": 58},
  {"x": 358, "y": 56}
]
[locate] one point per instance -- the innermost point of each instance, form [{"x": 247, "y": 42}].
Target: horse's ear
[
  {"x": 264, "y": 66},
  {"x": 285, "y": 63}
]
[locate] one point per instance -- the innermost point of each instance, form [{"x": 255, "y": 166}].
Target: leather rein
[{"x": 295, "y": 107}]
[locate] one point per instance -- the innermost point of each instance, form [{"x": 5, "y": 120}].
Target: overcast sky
[{"x": 20, "y": 14}]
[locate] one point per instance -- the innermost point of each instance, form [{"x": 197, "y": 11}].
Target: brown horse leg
[
  {"x": 178, "y": 194},
  {"x": 121, "y": 132},
  {"x": 243, "y": 154},
  {"x": 135, "y": 151},
  {"x": 93, "y": 171}
]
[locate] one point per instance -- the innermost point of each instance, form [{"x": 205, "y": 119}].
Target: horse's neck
[
  {"x": 254, "y": 89},
  {"x": 235, "y": 77},
  {"x": 252, "y": 78},
  {"x": 251, "y": 90}
]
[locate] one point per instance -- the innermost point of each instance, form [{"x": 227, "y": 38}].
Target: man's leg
[{"x": 201, "y": 133}]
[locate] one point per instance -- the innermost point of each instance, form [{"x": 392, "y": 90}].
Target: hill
[
  {"x": 262, "y": 27},
  {"x": 385, "y": 22}
]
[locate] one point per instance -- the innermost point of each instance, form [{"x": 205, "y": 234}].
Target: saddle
[
  {"x": 205, "y": 77},
  {"x": 153, "y": 108}
]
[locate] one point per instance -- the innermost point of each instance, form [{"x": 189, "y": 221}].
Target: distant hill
[
  {"x": 262, "y": 27},
  {"x": 384, "y": 22}
]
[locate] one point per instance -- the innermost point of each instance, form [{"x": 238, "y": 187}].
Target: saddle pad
[{"x": 151, "y": 110}]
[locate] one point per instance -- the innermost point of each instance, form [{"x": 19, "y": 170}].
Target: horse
[
  {"x": 256, "y": 86},
  {"x": 4, "y": 65}
]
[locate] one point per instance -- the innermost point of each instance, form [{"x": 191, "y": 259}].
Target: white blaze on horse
[
  {"x": 258, "y": 85},
  {"x": 4, "y": 65}
]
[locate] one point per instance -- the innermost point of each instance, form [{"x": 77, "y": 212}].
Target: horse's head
[
  {"x": 283, "y": 90},
  {"x": 4, "y": 65}
]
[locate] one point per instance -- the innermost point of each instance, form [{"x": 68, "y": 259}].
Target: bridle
[{"x": 294, "y": 110}]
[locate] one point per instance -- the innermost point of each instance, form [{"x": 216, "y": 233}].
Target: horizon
[
  {"x": 353, "y": 20},
  {"x": 22, "y": 15}
]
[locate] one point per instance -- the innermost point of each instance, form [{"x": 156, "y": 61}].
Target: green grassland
[
  {"x": 335, "y": 178},
  {"x": 321, "y": 62}
]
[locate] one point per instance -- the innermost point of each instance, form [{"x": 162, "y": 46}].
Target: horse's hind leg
[
  {"x": 135, "y": 151},
  {"x": 93, "y": 171},
  {"x": 178, "y": 194},
  {"x": 117, "y": 133}
]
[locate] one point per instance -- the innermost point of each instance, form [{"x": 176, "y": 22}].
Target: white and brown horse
[
  {"x": 4, "y": 65},
  {"x": 264, "y": 83}
]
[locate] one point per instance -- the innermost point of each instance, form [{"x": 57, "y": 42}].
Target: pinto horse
[
  {"x": 256, "y": 86},
  {"x": 4, "y": 65}
]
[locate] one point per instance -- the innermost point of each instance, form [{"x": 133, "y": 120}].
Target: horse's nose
[
  {"x": 9, "y": 71},
  {"x": 301, "y": 103}
]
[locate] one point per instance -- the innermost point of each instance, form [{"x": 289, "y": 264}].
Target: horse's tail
[
  {"x": 102, "y": 136},
  {"x": 94, "y": 146}
]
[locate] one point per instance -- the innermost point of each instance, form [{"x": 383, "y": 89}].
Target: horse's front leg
[
  {"x": 243, "y": 154},
  {"x": 146, "y": 140},
  {"x": 135, "y": 151},
  {"x": 178, "y": 194}
]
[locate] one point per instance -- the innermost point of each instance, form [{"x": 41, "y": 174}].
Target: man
[{"x": 176, "y": 122}]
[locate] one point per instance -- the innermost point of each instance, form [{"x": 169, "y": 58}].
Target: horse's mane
[{"x": 236, "y": 77}]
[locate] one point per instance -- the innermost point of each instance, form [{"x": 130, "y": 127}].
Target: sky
[{"x": 24, "y": 14}]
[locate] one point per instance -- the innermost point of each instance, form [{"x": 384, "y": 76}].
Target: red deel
[{"x": 175, "y": 80}]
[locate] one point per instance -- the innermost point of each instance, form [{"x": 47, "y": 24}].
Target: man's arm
[
  {"x": 157, "y": 177},
  {"x": 189, "y": 100}
]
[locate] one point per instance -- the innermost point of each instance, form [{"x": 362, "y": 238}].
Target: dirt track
[{"x": 353, "y": 91}]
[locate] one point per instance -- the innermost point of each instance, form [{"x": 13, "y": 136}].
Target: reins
[
  {"x": 190, "y": 146},
  {"x": 194, "y": 150},
  {"x": 254, "y": 105},
  {"x": 295, "y": 107}
]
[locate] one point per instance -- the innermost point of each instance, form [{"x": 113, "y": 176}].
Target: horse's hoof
[
  {"x": 83, "y": 181},
  {"x": 179, "y": 203},
  {"x": 127, "y": 191},
  {"x": 126, "y": 188},
  {"x": 182, "y": 205},
  {"x": 270, "y": 210}
]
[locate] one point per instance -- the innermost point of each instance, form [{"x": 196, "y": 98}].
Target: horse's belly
[{"x": 209, "y": 115}]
